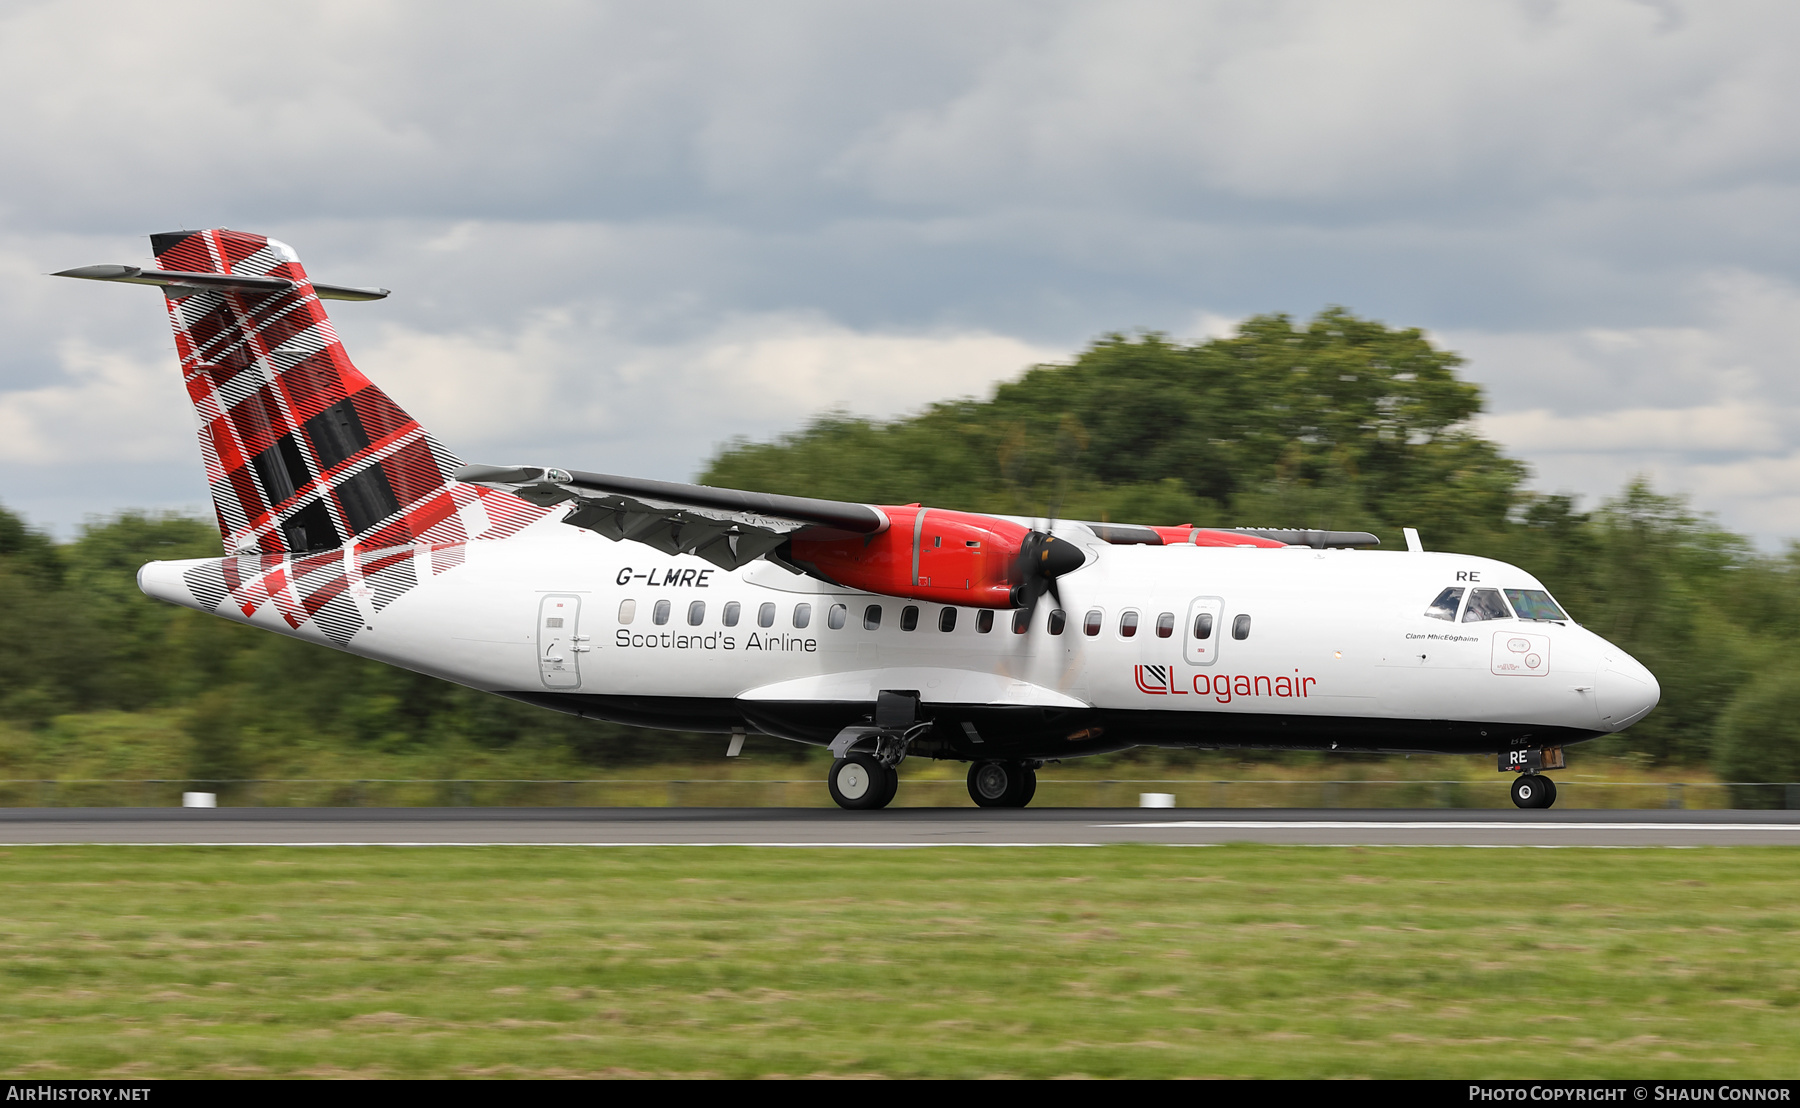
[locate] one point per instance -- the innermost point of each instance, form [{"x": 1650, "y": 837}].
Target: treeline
[
  {"x": 215, "y": 699},
  {"x": 1339, "y": 423}
]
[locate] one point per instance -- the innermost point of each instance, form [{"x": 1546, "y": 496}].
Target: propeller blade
[{"x": 1042, "y": 559}]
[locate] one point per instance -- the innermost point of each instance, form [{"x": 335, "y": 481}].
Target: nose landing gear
[{"x": 1533, "y": 790}]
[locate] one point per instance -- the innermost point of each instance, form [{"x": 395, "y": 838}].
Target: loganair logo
[{"x": 1222, "y": 687}]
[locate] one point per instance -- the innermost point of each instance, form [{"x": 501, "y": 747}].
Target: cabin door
[{"x": 560, "y": 643}]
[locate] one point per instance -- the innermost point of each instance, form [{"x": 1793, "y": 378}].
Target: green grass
[{"x": 738, "y": 961}]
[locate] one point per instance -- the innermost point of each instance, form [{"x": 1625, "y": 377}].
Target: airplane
[{"x": 881, "y": 632}]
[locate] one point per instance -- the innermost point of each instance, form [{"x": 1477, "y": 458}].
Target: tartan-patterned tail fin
[{"x": 302, "y": 452}]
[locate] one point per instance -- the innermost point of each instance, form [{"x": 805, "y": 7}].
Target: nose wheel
[
  {"x": 1002, "y": 784},
  {"x": 1533, "y": 790}
]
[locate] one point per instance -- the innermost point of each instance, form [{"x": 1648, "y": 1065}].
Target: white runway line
[{"x": 1375, "y": 825}]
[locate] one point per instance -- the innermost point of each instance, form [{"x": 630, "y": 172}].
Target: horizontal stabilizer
[{"x": 195, "y": 282}]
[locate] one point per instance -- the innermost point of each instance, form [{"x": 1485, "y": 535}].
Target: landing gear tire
[
  {"x": 1531, "y": 790},
  {"x": 893, "y": 785},
  {"x": 859, "y": 782},
  {"x": 1001, "y": 784}
]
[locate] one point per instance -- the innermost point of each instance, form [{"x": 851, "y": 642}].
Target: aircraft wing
[
  {"x": 727, "y": 527},
  {"x": 1130, "y": 534}
]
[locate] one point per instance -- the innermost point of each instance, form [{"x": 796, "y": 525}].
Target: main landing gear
[
  {"x": 1002, "y": 784},
  {"x": 859, "y": 781},
  {"x": 867, "y": 779},
  {"x": 1533, "y": 790}
]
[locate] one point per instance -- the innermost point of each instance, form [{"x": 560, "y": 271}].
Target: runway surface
[{"x": 900, "y": 827}]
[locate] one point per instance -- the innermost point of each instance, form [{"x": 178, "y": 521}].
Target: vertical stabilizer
[{"x": 302, "y": 453}]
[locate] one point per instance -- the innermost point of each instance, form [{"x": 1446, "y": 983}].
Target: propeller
[{"x": 1042, "y": 559}]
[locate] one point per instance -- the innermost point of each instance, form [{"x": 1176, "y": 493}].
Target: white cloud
[
  {"x": 1711, "y": 408},
  {"x": 565, "y": 390},
  {"x": 623, "y": 233},
  {"x": 108, "y": 408}
]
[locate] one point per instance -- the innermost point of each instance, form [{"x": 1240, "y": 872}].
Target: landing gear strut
[
  {"x": 1002, "y": 784},
  {"x": 1533, "y": 790},
  {"x": 866, "y": 779}
]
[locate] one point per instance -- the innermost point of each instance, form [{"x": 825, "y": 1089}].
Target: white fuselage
[{"x": 1339, "y": 635}]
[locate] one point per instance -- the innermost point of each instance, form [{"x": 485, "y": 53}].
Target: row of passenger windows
[
  {"x": 838, "y": 614},
  {"x": 1486, "y": 604}
]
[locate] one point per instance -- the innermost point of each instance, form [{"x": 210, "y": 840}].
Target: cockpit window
[
  {"x": 1534, "y": 604},
  {"x": 1485, "y": 604},
  {"x": 1444, "y": 607}
]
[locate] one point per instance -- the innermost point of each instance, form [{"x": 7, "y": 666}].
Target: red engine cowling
[{"x": 925, "y": 554}]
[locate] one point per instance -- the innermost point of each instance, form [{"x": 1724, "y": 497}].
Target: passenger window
[
  {"x": 872, "y": 618},
  {"x": 1534, "y": 604},
  {"x": 660, "y": 614},
  {"x": 627, "y": 611},
  {"x": 1021, "y": 621},
  {"x": 947, "y": 619},
  {"x": 732, "y": 610},
  {"x": 1444, "y": 607},
  {"x": 1058, "y": 620},
  {"x": 1165, "y": 625},
  {"x": 802, "y": 615},
  {"x": 696, "y": 613},
  {"x": 1240, "y": 627},
  {"x": 909, "y": 618},
  {"x": 1485, "y": 604},
  {"x": 1203, "y": 625},
  {"x": 765, "y": 616},
  {"x": 835, "y": 618},
  {"x": 1090, "y": 626},
  {"x": 1128, "y": 622},
  {"x": 984, "y": 621}
]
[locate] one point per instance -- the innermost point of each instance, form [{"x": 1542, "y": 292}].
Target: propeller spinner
[{"x": 1042, "y": 559}]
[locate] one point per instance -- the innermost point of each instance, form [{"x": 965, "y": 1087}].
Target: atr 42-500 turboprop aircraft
[{"x": 880, "y": 631}]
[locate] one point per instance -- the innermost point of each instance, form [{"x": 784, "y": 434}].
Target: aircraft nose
[{"x": 1627, "y": 691}]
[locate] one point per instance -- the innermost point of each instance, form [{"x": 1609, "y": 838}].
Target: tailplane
[{"x": 303, "y": 454}]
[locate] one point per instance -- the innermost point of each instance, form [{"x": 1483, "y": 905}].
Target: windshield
[
  {"x": 1534, "y": 604},
  {"x": 1444, "y": 607},
  {"x": 1485, "y": 604}
]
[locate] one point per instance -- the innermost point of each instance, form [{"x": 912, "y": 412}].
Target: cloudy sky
[{"x": 620, "y": 234}]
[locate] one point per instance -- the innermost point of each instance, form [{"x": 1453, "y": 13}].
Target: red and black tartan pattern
[
  {"x": 310, "y": 465},
  {"x": 338, "y": 591}
]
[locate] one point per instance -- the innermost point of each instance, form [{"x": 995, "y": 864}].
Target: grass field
[{"x": 734, "y": 962}]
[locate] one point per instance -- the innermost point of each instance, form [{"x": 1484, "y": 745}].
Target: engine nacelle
[{"x": 925, "y": 554}]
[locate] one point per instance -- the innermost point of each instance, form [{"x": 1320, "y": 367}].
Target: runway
[{"x": 900, "y": 827}]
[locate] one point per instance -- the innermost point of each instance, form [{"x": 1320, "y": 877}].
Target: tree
[{"x": 1343, "y": 422}]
